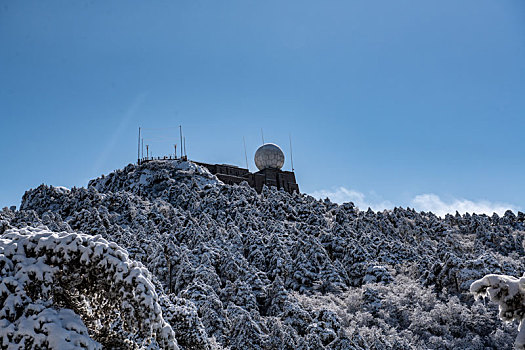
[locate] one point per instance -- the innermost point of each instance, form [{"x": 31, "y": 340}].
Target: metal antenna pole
[
  {"x": 138, "y": 149},
  {"x": 142, "y": 152},
  {"x": 180, "y": 129},
  {"x": 147, "y": 151},
  {"x": 291, "y": 150},
  {"x": 262, "y": 136},
  {"x": 245, "y": 154},
  {"x": 175, "y": 154},
  {"x": 185, "y": 154}
]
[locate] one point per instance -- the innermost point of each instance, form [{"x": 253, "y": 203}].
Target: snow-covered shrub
[
  {"x": 183, "y": 316},
  {"x": 68, "y": 290},
  {"x": 377, "y": 273},
  {"x": 509, "y": 293}
]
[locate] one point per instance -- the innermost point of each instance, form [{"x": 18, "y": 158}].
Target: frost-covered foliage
[
  {"x": 509, "y": 293},
  {"x": 245, "y": 270},
  {"x": 53, "y": 285}
]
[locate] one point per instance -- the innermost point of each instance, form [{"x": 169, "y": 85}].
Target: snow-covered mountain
[{"x": 164, "y": 255}]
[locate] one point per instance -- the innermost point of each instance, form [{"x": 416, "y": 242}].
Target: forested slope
[{"x": 235, "y": 269}]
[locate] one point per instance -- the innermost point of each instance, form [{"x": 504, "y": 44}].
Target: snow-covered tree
[
  {"x": 509, "y": 293},
  {"x": 68, "y": 290}
]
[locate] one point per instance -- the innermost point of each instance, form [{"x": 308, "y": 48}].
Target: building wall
[{"x": 230, "y": 174}]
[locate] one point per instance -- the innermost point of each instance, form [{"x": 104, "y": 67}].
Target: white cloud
[
  {"x": 432, "y": 202},
  {"x": 343, "y": 195},
  {"x": 423, "y": 202}
]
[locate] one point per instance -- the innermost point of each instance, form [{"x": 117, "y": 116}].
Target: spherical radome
[{"x": 269, "y": 155}]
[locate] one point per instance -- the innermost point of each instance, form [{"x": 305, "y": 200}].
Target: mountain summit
[{"x": 165, "y": 255}]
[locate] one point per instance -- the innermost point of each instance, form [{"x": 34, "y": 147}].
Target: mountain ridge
[{"x": 279, "y": 271}]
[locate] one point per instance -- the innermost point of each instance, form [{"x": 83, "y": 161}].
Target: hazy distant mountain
[{"x": 164, "y": 255}]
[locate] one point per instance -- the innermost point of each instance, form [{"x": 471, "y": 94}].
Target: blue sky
[{"x": 389, "y": 103}]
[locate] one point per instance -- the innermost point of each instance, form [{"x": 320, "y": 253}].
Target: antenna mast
[
  {"x": 245, "y": 154},
  {"x": 147, "y": 151},
  {"x": 180, "y": 128},
  {"x": 291, "y": 151},
  {"x": 262, "y": 136},
  {"x": 138, "y": 149},
  {"x": 185, "y": 154}
]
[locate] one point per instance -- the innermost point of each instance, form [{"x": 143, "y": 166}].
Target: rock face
[{"x": 236, "y": 269}]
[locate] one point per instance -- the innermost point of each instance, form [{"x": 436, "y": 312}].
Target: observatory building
[{"x": 269, "y": 159}]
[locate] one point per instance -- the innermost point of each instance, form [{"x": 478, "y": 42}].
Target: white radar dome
[{"x": 269, "y": 155}]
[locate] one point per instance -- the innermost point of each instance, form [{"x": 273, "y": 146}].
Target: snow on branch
[
  {"x": 75, "y": 291},
  {"x": 509, "y": 293}
]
